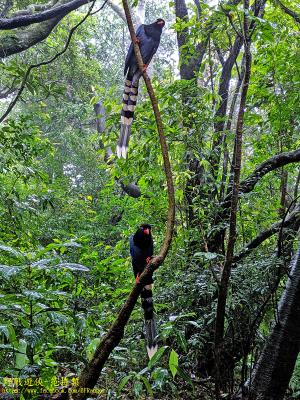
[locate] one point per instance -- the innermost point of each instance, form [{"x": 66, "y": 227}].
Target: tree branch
[
  {"x": 246, "y": 186},
  {"x": 275, "y": 162},
  {"x": 188, "y": 69},
  {"x": 289, "y": 11},
  {"x": 25, "y": 20},
  {"x": 293, "y": 220},
  {"x": 16, "y": 42},
  {"x": 225, "y": 79},
  {"x": 91, "y": 372},
  {"x": 199, "y": 8},
  {"x": 33, "y": 66},
  {"x": 118, "y": 10},
  {"x": 223, "y": 287}
]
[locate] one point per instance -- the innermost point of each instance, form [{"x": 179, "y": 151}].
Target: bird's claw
[
  {"x": 137, "y": 278},
  {"x": 148, "y": 259},
  {"x": 145, "y": 67},
  {"x": 137, "y": 41}
]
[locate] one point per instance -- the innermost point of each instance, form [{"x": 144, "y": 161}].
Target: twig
[{"x": 25, "y": 20}]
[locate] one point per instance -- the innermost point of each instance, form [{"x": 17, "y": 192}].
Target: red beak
[{"x": 146, "y": 231}]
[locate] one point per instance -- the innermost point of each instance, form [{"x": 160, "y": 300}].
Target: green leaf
[
  {"x": 9, "y": 332},
  {"x": 157, "y": 356},
  {"x": 206, "y": 255},
  {"x": 74, "y": 267},
  {"x": 173, "y": 363},
  {"x": 148, "y": 386},
  {"x": 123, "y": 382},
  {"x": 185, "y": 376},
  {"x": 21, "y": 358},
  {"x": 90, "y": 350}
]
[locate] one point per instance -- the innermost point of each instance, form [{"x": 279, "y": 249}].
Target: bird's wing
[
  {"x": 148, "y": 48},
  {"x": 130, "y": 54}
]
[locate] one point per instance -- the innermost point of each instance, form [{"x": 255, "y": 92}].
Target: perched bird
[
  {"x": 148, "y": 38},
  {"x": 141, "y": 251}
]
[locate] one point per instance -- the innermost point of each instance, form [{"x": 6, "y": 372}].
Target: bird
[
  {"x": 141, "y": 251},
  {"x": 148, "y": 39}
]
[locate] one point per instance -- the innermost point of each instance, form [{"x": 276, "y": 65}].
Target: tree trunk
[
  {"x": 223, "y": 287},
  {"x": 188, "y": 69},
  {"x": 273, "y": 371}
]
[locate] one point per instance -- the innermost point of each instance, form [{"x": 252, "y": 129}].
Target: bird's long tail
[
  {"x": 150, "y": 323},
  {"x": 129, "y": 102}
]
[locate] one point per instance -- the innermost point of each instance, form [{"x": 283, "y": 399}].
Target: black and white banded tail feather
[
  {"x": 150, "y": 323},
  {"x": 129, "y": 102}
]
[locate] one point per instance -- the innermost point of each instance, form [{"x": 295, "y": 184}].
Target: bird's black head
[
  {"x": 160, "y": 22},
  {"x": 143, "y": 238},
  {"x": 155, "y": 29},
  {"x": 145, "y": 229}
]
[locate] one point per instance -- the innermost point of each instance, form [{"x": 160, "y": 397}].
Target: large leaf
[
  {"x": 21, "y": 357},
  {"x": 43, "y": 263},
  {"x": 8, "y": 271},
  {"x": 12, "y": 251},
  {"x": 124, "y": 382},
  {"x": 9, "y": 332},
  {"x": 173, "y": 362},
  {"x": 74, "y": 267},
  {"x": 148, "y": 386}
]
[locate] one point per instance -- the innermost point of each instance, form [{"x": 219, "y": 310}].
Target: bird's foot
[
  {"x": 138, "y": 41},
  {"x": 137, "y": 278},
  {"x": 145, "y": 67},
  {"x": 148, "y": 259}
]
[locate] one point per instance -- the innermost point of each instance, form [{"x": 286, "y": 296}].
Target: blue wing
[
  {"x": 148, "y": 49},
  {"x": 130, "y": 54}
]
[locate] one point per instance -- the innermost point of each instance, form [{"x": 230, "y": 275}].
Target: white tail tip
[
  {"x": 122, "y": 151},
  {"x": 151, "y": 351}
]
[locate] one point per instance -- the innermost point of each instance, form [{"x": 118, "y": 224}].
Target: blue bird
[
  {"x": 148, "y": 38},
  {"x": 141, "y": 251}
]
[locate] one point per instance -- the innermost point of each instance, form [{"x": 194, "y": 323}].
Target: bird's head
[
  {"x": 145, "y": 229},
  {"x": 160, "y": 22}
]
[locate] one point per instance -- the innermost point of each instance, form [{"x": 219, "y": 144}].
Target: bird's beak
[{"x": 146, "y": 231}]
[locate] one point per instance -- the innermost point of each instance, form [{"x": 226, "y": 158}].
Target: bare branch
[
  {"x": 246, "y": 186},
  {"x": 289, "y": 11},
  {"x": 219, "y": 53},
  {"x": 118, "y": 10},
  {"x": 275, "y": 162},
  {"x": 25, "y": 20},
  {"x": 18, "y": 41}
]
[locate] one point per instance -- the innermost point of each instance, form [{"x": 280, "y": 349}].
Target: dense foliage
[{"x": 65, "y": 218}]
